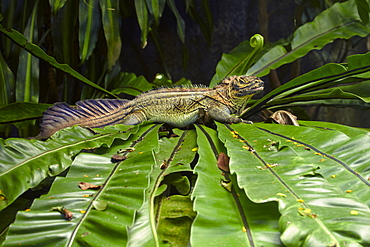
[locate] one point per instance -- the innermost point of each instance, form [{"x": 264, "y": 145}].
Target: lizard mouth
[
  {"x": 257, "y": 89},
  {"x": 249, "y": 91}
]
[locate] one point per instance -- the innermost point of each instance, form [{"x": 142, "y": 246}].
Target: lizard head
[
  {"x": 239, "y": 89},
  {"x": 242, "y": 86}
]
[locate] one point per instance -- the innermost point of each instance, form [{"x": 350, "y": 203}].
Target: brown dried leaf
[
  {"x": 86, "y": 186},
  {"x": 223, "y": 162},
  {"x": 284, "y": 117},
  {"x": 117, "y": 157},
  {"x": 67, "y": 214}
]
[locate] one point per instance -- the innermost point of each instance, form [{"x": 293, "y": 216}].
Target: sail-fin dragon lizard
[{"x": 177, "y": 106}]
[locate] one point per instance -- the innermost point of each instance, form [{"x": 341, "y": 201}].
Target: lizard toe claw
[{"x": 247, "y": 122}]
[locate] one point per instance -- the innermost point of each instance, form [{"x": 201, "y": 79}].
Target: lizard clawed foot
[{"x": 247, "y": 122}]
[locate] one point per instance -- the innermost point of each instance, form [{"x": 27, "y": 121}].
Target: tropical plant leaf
[
  {"x": 21, "y": 111},
  {"x": 89, "y": 24},
  {"x": 130, "y": 84},
  {"x": 20, "y": 40},
  {"x": 174, "y": 155},
  {"x": 204, "y": 19},
  {"x": 10, "y": 11},
  {"x": 239, "y": 60},
  {"x": 321, "y": 189},
  {"x": 351, "y": 132},
  {"x": 219, "y": 220},
  {"x": 37, "y": 160},
  {"x": 8, "y": 215},
  {"x": 56, "y": 5},
  {"x": 27, "y": 80},
  {"x": 356, "y": 96},
  {"x": 179, "y": 20},
  {"x": 21, "y": 115},
  {"x": 175, "y": 220},
  {"x": 122, "y": 190},
  {"x": 142, "y": 14},
  {"x": 161, "y": 80},
  {"x": 276, "y": 190},
  {"x": 63, "y": 39},
  {"x": 156, "y": 8},
  {"x": 110, "y": 20},
  {"x": 319, "y": 183},
  {"x": 313, "y": 84},
  {"x": 339, "y": 21},
  {"x": 363, "y": 10},
  {"x": 7, "y": 83}
]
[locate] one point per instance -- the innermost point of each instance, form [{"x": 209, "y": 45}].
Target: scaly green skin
[
  {"x": 178, "y": 106},
  {"x": 181, "y": 106}
]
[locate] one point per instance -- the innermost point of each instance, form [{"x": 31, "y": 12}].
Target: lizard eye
[{"x": 245, "y": 85}]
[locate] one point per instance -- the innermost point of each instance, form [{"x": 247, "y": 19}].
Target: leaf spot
[{"x": 354, "y": 212}]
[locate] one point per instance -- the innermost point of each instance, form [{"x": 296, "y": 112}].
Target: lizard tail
[{"x": 91, "y": 113}]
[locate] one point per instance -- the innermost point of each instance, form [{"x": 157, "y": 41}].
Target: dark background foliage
[
  {"x": 236, "y": 21},
  {"x": 152, "y": 186},
  {"x": 225, "y": 25}
]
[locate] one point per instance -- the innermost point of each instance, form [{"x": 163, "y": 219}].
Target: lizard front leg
[{"x": 222, "y": 113}]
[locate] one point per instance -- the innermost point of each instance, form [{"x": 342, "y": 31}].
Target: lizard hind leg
[
  {"x": 90, "y": 113},
  {"x": 134, "y": 118}
]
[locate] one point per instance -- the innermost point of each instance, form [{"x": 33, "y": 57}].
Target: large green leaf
[
  {"x": 21, "y": 111},
  {"x": 339, "y": 21},
  {"x": 36, "y": 51},
  {"x": 317, "y": 173},
  {"x": 63, "y": 39},
  {"x": 363, "y": 10},
  {"x": 56, "y": 5},
  {"x": 129, "y": 83},
  {"x": 156, "y": 8},
  {"x": 224, "y": 218},
  {"x": 110, "y": 20},
  {"x": 8, "y": 215},
  {"x": 357, "y": 96},
  {"x": 89, "y": 24},
  {"x": 174, "y": 156},
  {"x": 348, "y": 131},
  {"x": 179, "y": 20},
  {"x": 312, "y": 86},
  {"x": 37, "y": 159},
  {"x": 204, "y": 19},
  {"x": 6, "y": 83},
  {"x": 142, "y": 15},
  {"x": 10, "y": 11},
  {"x": 239, "y": 60},
  {"x": 318, "y": 178},
  {"x": 100, "y": 217},
  {"x": 27, "y": 80},
  {"x": 21, "y": 115},
  {"x": 175, "y": 220}
]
